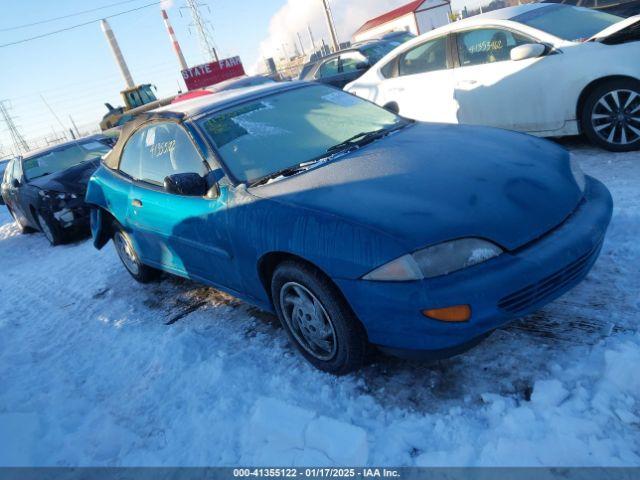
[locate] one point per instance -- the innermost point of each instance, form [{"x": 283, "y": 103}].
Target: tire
[
  {"x": 50, "y": 227},
  {"x": 129, "y": 258},
  {"x": 317, "y": 319},
  {"x": 23, "y": 230},
  {"x": 610, "y": 116}
]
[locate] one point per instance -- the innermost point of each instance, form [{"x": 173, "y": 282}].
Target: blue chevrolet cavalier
[{"x": 355, "y": 226}]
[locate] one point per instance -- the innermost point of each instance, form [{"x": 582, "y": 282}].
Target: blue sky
[
  {"x": 74, "y": 70},
  {"x": 76, "y": 74}
]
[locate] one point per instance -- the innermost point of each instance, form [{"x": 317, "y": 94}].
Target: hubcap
[
  {"x": 44, "y": 226},
  {"x": 616, "y": 117},
  {"x": 126, "y": 253},
  {"x": 308, "y": 321}
]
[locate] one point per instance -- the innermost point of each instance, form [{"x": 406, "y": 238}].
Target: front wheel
[
  {"x": 51, "y": 229},
  {"x": 317, "y": 319},
  {"x": 610, "y": 117},
  {"x": 129, "y": 257}
]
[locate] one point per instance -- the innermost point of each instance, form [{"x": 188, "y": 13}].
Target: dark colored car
[
  {"x": 44, "y": 190},
  {"x": 398, "y": 36},
  {"x": 354, "y": 225},
  {"x": 347, "y": 65},
  {"x": 621, "y": 8}
]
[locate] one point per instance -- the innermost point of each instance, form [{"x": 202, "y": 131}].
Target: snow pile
[{"x": 282, "y": 434}]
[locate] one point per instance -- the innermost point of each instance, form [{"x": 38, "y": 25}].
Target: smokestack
[
  {"x": 301, "y": 45},
  {"x": 174, "y": 40},
  {"x": 115, "y": 49},
  {"x": 313, "y": 43}
]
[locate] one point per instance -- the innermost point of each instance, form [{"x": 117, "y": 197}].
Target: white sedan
[{"x": 544, "y": 69}]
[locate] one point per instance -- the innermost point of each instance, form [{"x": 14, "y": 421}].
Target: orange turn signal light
[{"x": 457, "y": 313}]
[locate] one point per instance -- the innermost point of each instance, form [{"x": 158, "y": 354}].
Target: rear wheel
[
  {"x": 50, "y": 227},
  {"x": 23, "y": 229},
  {"x": 610, "y": 117},
  {"x": 130, "y": 259},
  {"x": 317, "y": 319}
]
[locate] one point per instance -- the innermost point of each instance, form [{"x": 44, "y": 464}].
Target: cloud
[{"x": 295, "y": 15}]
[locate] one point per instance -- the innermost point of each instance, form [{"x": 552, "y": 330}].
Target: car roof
[
  {"x": 58, "y": 146},
  {"x": 508, "y": 13},
  {"x": 239, "y": 81},
  {"x": 218, "y": 101},
  {"x": 499, "y": 15}
]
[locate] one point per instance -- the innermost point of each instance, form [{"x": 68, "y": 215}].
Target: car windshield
[
  {"x": 569, "y": 23},
  {"x": 400, "y": 37},
  {"x": 378, "y": 50},
  {"x": 265, "y": 136},
  {"x": 63, "y": 158}
]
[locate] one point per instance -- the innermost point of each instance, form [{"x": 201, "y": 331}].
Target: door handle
[{"x": 136, "y": 203}]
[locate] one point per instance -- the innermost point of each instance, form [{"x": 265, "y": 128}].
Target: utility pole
[
  {"x": 206, "y": 42},
  {"x": 296, "y": 52},
  {"x": 117, "y": 54},
  {"x": 331, "y": 26},
  {"x": 75, "y": 127},
  {"x": 19, "y": 143},
  {"x": 174, "y": 40},
  {"x": 53, "y": 113},
  {"x": 313, "y": 43},
  {"x": 301, "y": 45}
]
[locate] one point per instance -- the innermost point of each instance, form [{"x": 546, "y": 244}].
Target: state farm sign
[{"x": 212, "y": 73}]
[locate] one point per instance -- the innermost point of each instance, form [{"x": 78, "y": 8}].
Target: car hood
[
  {"x": 431, "y": 183},
  {"x": 71, "y": 180},
  {"x": 624, "y": 31}
]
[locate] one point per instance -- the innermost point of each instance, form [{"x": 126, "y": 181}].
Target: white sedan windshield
[
  {"x": 276, "y": 132},
  {"x": 569, "y": 23}
]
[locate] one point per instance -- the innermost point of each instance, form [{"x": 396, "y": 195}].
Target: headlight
[
  {"x": 578, "y": 174},
  {"x": 434, "y": 261}
]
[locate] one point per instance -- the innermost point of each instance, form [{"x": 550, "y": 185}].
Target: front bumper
[
  {"x": 70, "y": 213},
  {"x": 507, "y": 287}
]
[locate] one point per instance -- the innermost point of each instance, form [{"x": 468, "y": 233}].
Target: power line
[
  {"x": 19, "y": 143},
  {"x": 206, "y": 42},
  {"x": 24, "y": 40},
  {"x": 25, "y": 25}
]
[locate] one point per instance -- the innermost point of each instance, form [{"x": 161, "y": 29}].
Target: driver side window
[
  {"x": 8, "y": 171},
  {"x": 351, "y": 60},
  {"x": 329, "y": 68},
  {"x": 158, "y": 151},
  {"x": 17, "y": 170},
  {"x": 488, "y": 45}
]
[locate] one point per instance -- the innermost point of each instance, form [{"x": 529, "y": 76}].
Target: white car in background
[{"x": 544, "y": 69}]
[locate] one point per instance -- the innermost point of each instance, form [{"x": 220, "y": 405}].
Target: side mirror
[
  {"x": 187, "y": 184},
  {"x": 362, "y": 66},
  {"x": 212, "y": 178},
  {"x": 528, "y": 50}
]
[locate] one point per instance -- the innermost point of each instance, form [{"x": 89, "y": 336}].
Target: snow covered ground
[{"x": 98, "y": 370}]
